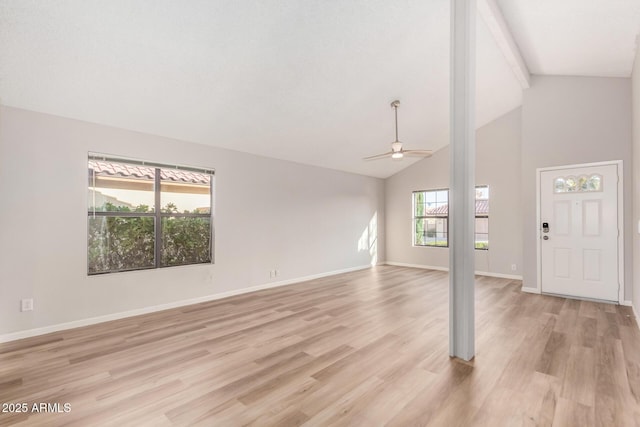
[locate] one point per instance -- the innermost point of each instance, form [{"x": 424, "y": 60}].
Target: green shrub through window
[{"x": 143, "y": 215}]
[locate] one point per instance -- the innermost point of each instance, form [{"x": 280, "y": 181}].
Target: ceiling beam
[{"x": 492, "y": 16}]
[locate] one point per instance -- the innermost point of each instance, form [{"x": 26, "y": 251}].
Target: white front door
[{"x": 579, "y": 232}]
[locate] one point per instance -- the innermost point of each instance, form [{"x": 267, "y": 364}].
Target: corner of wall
[{"x": 635, "y": 148}]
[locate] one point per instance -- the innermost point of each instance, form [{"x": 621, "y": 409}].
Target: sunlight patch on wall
[{"x": 369, "y": 239}]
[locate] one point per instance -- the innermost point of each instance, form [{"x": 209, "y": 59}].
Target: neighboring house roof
[
  {"x": 482, "y": 208},
  {"x": 144, "y": 172}
]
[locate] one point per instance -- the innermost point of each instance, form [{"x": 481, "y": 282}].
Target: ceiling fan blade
[
  {"x": 379, "y": 156},
  {"x": 397, "y": 152},
  {"x": 418, "y": 153}
]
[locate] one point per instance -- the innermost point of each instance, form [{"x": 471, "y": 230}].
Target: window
[
  {"x": 431, "y": 218},
  {"x": 482, "y": 217},
  {"x": 572, "y": 184},
  {"x": 143, "y": 215}
]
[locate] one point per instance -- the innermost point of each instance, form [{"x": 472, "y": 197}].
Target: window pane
[
  {"x": 482, "y": 200},
  {"x": 442, "y": 196},
  {"x": 120, "y": 187},
  {"x": 442, "y": 238},
  {"x": 482, "y": 233},
  {"x": 120, "y": 243},
  {"x": 482, "y": 241},
  {"x": 438, "y": 209},
  {"x": 482, "y": 225},
  {"x": 186, "y": 240},
  {"x": 430, "y": 196},
  {"x": 418, "y": 232},
  {"x": 418, "y": 203},
  {"x": 185, "y": 192},
  {"x": 430, "y": 232},
  {"x": 482, "y": 193}
]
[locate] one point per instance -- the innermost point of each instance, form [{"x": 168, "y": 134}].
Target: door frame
[{"x": 619, "y": 196}]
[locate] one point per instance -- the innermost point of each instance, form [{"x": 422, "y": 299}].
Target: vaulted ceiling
[{"x": 306, "y": 81}]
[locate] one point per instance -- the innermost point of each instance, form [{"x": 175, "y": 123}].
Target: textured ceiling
[
  {"x": 307, "y": 81},
  {"x": 575, "y": 37}
]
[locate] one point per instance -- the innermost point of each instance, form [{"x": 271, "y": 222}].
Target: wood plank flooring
[{"x": 367, "y": 348}]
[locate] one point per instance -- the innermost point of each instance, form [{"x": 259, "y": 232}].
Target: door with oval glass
[{"x": 579, "y": 232}]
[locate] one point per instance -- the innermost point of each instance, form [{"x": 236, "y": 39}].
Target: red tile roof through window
[
  {"x": 145, "y": 172},
  {"x": 482, "y": 208}
]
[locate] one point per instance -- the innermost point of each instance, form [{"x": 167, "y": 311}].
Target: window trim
[
  {"x": 413, "y": 214},
  {"x": 475, "y": 242},
  {"x": 448, "y": 190},
  {"x": 157, "y": 214},
  {"x": 476, "y": 216}
]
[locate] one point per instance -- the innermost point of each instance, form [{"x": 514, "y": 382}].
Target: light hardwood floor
[{"x": 367, "y": 348}]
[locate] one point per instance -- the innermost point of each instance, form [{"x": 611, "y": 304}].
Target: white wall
[
  {"x": 268, "y": 214},
  {"x": 498, "y": 166},
  {"x": 636, "y": 179},
  {"x": 571, "y": 120}
]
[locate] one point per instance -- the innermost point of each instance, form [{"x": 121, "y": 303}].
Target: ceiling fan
[{"x": 397, "y": 152}]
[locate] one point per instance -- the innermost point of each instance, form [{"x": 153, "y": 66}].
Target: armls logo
[{"x": 51, "y": 407}]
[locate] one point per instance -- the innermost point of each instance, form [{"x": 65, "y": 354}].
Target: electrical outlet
[
  {"x": 26, "y": 304},
  {"x": 514, "y": 267}
]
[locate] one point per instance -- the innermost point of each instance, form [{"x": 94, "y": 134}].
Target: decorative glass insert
[
  {"x": 580, "y": 184},
  {"x": 594, "y": 183},
  {"x": 559, "y": 185},
  {"x": 571, "y": 184}
]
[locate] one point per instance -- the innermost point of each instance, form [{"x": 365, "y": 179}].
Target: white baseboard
[
  {"x": 499, "y": 275},
  {"x": 530, "y": 290},
  {"x": 439, "y": 268},
  {"x": 422, "y": 266},
  {"x": 130, "y": 313},
  {"x": 633, "y": 308}
]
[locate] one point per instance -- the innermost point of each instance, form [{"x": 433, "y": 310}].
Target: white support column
[{"x": 462, "y": 194}]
